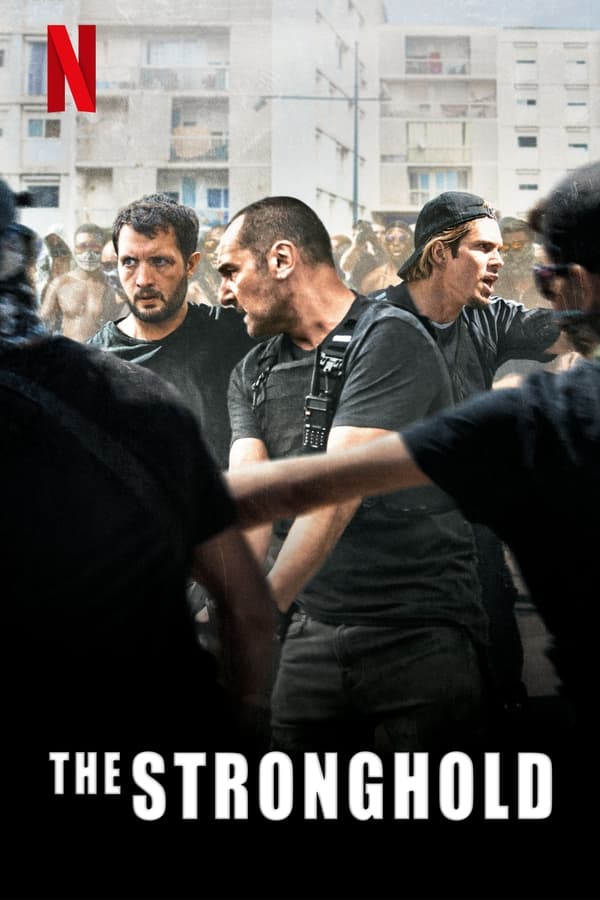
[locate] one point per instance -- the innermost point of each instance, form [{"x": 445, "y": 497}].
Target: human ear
[
  {"x": 282, "y": 259},
  {"x": 192, "y": 262}
]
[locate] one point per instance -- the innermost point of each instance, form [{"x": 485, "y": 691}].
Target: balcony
[
  {"x": 471, "y": 110},
  {"x": 446, "y": 155},
  {"x": 436, "y": 64},
  {"x": 163, "y": 78},
  {"x": 197, "y": 144},
  {"x": 184, "y": 78}
]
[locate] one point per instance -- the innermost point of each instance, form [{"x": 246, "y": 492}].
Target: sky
[{"x": 508, "y": 13}]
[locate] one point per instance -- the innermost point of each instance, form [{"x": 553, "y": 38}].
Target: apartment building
[
  {"x": 549, "y": 110},
  {"x": 438, "y": 131},
  {"x": 215, "y": 103},
  {"x": 501, "y": 112},
  {"x": 221, "y": 103}
]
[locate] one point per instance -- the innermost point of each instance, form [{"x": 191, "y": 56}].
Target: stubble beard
[
  {"x": 476, "y": 303},
  {"x": 165, "y": 312}
]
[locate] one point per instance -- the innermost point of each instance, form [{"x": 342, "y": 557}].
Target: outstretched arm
[{"x": 275, "y": 490}]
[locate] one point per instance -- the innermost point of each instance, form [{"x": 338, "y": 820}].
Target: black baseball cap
[{"x": 445, "y": 211}]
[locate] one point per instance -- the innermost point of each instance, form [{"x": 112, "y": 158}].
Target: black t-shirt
[
  {"x": 197, "y": 358},
  {"x": 527, "y": 463},
  {"x": 107, "y": 488},
  {"x": 479, "y": 341},
  {"x": 407, "y": 556}
]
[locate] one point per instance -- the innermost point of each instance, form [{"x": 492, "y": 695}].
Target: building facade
[
  {"x": 215, "y": 103},
  {"x": 500, "y": 112},
  {"x": 221, "y": 103}
]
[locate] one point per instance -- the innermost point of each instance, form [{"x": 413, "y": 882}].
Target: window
[
  {"x": 184, "y": 52},
  {"x": 188, "y": 191},
  {"x": 2, "y": 52},
  {"x": 527, "y": 140},
  {"x": 43, "y": 128},
  {"x": 577, "y": 112},
  {"x": 36, "y": 72},
  {"x": 439, "y": 142},
  {"x": 526, "y": 106},
  {"x": 576, "y": 70},
  {"x": 528, "y": 186},
  {"x": 427, "y": 183},
  {"x": 217, "y": 198},
  {"x": 525, "y": 69},
  {"x": 44, "y": 195},
  {"x": 577, "y": 151}
]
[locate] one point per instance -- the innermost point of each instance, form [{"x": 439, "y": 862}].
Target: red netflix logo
[{"x": 64, "y": 64}]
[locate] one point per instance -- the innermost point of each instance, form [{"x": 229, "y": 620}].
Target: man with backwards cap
[{"x": 449, "y": 284}]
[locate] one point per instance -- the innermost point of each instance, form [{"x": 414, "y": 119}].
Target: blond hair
[{"x": 424, "y": 265}]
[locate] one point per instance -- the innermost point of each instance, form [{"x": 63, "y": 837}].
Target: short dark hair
[
  {"x": 159, "y": 212},
  {"x": 284, "y": 218},
  {"x": 568, "y": 219},
  {"x": 89, "y": 228}
]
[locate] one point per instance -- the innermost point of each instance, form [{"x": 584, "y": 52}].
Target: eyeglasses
[
  {"x": 543, "y": 275},
  {"x": 403, "y": 238},
  {"x": 514, "y": 245}
]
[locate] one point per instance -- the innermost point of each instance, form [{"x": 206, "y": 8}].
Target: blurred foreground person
[{"x": 110, "y": 498}]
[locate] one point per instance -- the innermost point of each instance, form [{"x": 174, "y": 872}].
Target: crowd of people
[{"x": 369, "y": 602}]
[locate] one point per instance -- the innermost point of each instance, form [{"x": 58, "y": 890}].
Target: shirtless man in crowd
[{"x": 79, "y": 302}]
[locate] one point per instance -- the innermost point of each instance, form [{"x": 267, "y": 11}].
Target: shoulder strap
[
  {"x": 267, "y": 359},
  {"x": 328, "y": 379}
]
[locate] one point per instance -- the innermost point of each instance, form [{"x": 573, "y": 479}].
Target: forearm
[
  {"x": 259, "y": 540},
  {"x": 286, "y": 487},
  {"x": 306, "y": 547},
  {"x": 244, "y": 452}
]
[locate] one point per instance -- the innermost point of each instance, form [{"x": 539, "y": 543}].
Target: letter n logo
[{"x": 80, "y": 73}]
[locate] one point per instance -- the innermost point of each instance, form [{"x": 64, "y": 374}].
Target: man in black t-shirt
[
  {"x": 449, "y": 284},
  {"x": 382, "y": 644},
  {"x": 192, "y": 347}
]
